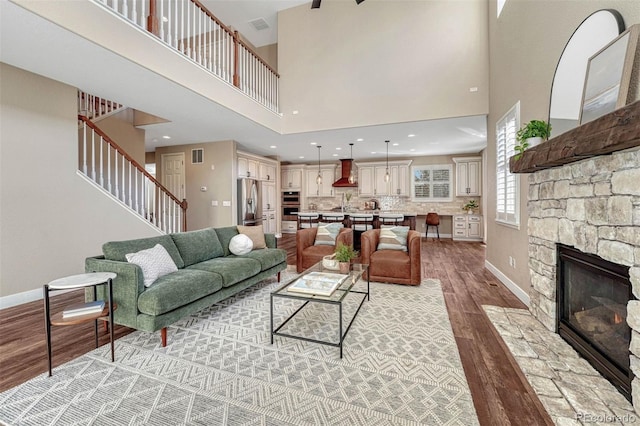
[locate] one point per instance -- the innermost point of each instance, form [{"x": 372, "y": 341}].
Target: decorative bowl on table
[{"x": 330, "y": 262}]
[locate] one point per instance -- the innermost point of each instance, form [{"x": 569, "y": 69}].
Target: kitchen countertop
[{"x": 374, "y": 212}]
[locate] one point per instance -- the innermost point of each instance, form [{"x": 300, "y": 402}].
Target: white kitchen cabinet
[
  {"x": 325, "y": 189},
  {"x": 247, "y": 167},
  {"x": 289, "y": 226},
  {"x": 467, "y": 227},
  {"x": 267, "y": 171},
  {"x": 269, "y": 197},
  {"x": 371, "y": 181},
  {"x": 366, "y": 182},
  {"x": 468, "y": 176},
  {"x": 291, "y": 179}
]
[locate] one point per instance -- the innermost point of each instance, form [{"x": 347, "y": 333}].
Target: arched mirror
[{"x": 568, "y": 81}]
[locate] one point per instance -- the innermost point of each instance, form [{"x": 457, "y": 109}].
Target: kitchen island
[{"x": 409, "y": 218}]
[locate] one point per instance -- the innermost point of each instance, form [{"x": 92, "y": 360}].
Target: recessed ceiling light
[
  {"x": 359, "y": 140},
  {"x": 334, "y": 155},
  {"x": 154, "y": 140},
  {"x": 412, "y": 150},
  {"x": 411, "y": 135},
  {"x": 313, "y": 143},
  {"x": 302, "y": 156},
  {"x": 166, "y": 137},
  {"x": 396, "y": 144},
  {"x": 273, "y": 147},
  {"x": 294, "y": 112},
  {"x": 338, "y": 149},
  {"x": 373, "y": 152}
]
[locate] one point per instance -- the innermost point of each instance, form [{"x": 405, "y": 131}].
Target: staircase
[{"x": 106, "y": 164}]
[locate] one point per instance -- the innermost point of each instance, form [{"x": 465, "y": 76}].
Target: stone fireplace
[
  {"x": 584, "y": 193},
  {"x": 593, "y": 295}
]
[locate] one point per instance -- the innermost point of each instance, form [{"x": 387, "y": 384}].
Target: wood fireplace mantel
[{"x": 613, "y": 132}]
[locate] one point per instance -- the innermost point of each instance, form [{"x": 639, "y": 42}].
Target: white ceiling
[{"x": 49, "y": 50}]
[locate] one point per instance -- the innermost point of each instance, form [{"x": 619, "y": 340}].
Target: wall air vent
[
  {"x": 259, "y": 24},
  {"x": 197, "y": 156}
]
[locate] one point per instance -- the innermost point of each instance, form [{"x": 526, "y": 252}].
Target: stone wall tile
[
  {"x": 591, "y": 239},
  {"x": 628, "y": 234},
  {"x": 596, "y": 211},
  {"x": 619, "y": 211},
  {"x": 634, "y": 277},
  {"x": 634, "y": 347},
  {"x": 565, "y": 232},
  {"x": 544, "y": 285},
  {"x": 546, "y": 228},
  {"x": 616, "y": 252},
  {"x": 607, "y": 233},
  {"x": 633, "y": 314},
  {"x": 576, "y": 209},
  {"x": 561, "y": 189},
  {"x": 546, "y": 190},
  {"x": 534, "y": 192},
  {"x": 626, "y": 182},
  {"x": 602, "y": 188}
]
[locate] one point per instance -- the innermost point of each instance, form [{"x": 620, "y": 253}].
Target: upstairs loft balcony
[{"x": 207, "y": 77}]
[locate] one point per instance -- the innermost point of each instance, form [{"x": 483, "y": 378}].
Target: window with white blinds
[
  {"x": 431, "y": 183},
  {"x": 507, "y": 184}
]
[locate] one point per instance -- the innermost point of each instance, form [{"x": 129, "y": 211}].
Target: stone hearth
[{"x": 589, "y": 200}]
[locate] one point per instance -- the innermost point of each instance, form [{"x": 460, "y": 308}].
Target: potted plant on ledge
[
  {"x": 533, "y": 133},
  {"x": 344, "y": 254},
  {"x": 470, "y": 206}
]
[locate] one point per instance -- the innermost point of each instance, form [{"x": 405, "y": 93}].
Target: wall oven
[{"x": 290, "y": 205}]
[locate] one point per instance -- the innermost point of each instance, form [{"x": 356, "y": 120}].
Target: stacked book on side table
[{"x": 84, "y": 309}]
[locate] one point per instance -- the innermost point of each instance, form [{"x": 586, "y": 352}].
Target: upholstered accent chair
[
  {"x": 309, "y": 252},
  {"x": 392, "y": 265}
]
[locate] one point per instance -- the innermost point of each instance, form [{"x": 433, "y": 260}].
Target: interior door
[{"x": 173, "y": 174}]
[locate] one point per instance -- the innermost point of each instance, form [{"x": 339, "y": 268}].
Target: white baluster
[
  {"x": 84, "y": 147},
  {"x": 124, "y": 179},
  {"x": 162, "y": 35},
  {"x": 134, "y": 11},
  {"x": 125, "y": 9},
  {"x": 102, "y": 162},
  {"x": 143, "y": 13},
  {"x": 130, "y": 187}
]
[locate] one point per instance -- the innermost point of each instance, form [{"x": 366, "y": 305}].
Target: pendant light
[
  {"x": 352, "y": 175},
  {"x": 387, "y": 176},
  {"x": 319, "y": 178}
]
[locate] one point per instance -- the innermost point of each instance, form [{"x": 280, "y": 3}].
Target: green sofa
[{"x": 207, "y": 273}]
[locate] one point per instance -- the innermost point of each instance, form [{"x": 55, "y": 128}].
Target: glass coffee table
[{"x": 318, "y": 274}]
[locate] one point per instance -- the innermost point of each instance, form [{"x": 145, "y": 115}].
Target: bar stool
[
  {"x": 394, "y": 219},
  {"x": 433, "y": 220},
  {"x": 360, "y": 222},
  {"x": 308, "y": 220},
  {"x": 333, "y": 217}
]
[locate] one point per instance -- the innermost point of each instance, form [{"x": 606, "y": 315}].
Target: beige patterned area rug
[{"x": 400, "y": 367}]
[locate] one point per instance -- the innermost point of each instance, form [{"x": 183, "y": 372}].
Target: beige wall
[
  {"x": 345, "y": 65},
  {"x": 119, "y": 127},
  {"x": 51, "y": 219},
  {"x": 216, "y": 173},
  {"x": 269, "y": 54},
  {"x": 525, "y": 44}
]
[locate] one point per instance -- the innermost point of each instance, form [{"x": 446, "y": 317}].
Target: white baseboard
[
  {"x": 513, "y": 287},
  {"x": 20, "y": 298},
  {"x": 25, "y": 297}
]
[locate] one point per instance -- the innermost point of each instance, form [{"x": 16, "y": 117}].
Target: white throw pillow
[
  {"x": 154, "y": 262},
  {"x": 240, "y": 244}
]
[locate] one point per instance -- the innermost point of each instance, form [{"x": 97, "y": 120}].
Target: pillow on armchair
[
  {"x": 393, "y": 238},
  {"x": 327, "y": 234}
]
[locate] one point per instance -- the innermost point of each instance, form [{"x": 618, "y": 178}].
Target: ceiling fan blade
[
  {"x": 359, "y": 1},
  {"x": 315, "y": 4}
]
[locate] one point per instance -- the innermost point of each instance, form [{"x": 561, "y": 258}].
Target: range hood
[{"x": 343, "y": 182}]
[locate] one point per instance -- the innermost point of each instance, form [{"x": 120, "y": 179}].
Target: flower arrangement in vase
[{"x": 470, "y": 206}]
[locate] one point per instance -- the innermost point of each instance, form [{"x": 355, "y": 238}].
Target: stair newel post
[
  {"x": 236, "y": 50},
  {"x": 152, "y": 19},
  {"x": 183, "y": 206}
]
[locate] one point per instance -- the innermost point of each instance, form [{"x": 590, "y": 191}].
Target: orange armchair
[
  {"x": 308, "y": 254},
  {"x": 392, "y": 266}
]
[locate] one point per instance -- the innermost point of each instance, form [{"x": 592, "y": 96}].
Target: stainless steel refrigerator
[{"x": 249, "y": 202}]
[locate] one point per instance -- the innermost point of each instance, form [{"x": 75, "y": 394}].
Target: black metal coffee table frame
[{"x": 338, "y": 296}]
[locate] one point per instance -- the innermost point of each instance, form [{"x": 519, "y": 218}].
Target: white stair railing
[
  {"x": 111, "y": 168},
  {"x": 94, "y": 107},
  {"x": 188, "y": 27}
]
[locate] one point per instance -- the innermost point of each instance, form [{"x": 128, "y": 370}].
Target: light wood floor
[{"x": 500, "y": 392}]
